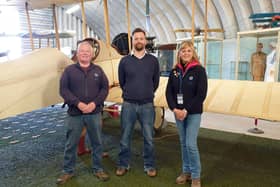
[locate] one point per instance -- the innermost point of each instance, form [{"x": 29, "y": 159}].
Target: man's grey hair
[{"x": 85, "y": 43}]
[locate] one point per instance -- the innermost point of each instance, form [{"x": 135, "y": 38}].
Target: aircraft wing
[
  {"x": 31, "y": 82},
  {"x": 243, "y": 98}
]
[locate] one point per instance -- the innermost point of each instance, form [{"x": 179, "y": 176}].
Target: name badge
[{"x": 180, "y": 99}]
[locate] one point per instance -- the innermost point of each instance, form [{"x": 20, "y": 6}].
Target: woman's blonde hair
[{"x": 184, "y": 45}]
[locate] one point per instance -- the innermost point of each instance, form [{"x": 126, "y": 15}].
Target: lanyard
[{"x": 180, "y": 81}]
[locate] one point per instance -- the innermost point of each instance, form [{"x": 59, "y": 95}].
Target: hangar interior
[
  {"x": 32, "y": 136},
  {"x": 232, "y": 16}
]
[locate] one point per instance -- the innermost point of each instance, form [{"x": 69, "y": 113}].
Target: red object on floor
[
  {"x": 277, "y": 17},
  {"x": 82, "y": 146},
  {"x": 114, "y": 114}
]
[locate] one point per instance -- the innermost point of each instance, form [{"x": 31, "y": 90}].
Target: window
[{"x": 10, "y": 43}]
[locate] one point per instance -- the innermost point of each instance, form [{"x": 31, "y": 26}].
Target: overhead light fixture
[{"x": 73, "y": 9}]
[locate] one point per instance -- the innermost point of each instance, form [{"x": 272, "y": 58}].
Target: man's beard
[{"x": 139, "y": 47}]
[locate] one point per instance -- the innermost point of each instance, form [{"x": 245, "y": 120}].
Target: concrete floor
[{"x": 235, "y": 124}]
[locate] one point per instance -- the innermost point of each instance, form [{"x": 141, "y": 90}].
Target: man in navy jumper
[
  {"x": 139, "y": 79},
  {"x": 84, "y": 87}
]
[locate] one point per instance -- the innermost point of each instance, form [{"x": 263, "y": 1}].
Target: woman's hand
[{"x": 180, "y": 114}]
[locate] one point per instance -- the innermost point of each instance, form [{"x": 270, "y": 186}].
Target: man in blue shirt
[{"x": 139, "y": 79}]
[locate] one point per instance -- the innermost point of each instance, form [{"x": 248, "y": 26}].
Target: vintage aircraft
[{"x": 31, "y": 82}]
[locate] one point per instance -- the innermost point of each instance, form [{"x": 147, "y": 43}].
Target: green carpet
[{"x": 228, "y": 160}]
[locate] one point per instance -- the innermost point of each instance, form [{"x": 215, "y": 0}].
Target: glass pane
[
  {"x": 214, "y": 64},
  {"x": 166, "y": 60}
]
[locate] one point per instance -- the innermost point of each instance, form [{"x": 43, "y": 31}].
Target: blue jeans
[
  {"x": 75, "y": 126},
  {"x": 188, "y": 132},
  {"x": 145, "y": 114}
]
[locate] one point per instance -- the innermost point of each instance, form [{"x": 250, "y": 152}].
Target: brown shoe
[
  {"x": 64, "y": 178},
  {"x": 151, "y": 172},
  {"x": 196, "y": 183},
  {"x": 105, "y": 154},
  {"x": 183, "y": 178},
  {"x": 121, "y": 171},
  {"x": 101, "y": 175}
]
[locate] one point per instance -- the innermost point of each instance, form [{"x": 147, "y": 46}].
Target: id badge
[{"x": 180, "y": 99}]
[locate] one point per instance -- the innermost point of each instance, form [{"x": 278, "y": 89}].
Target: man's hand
[
  {"x": 86, "y": 108},
  {"x": 90, "y": 107},
  {"x": 82, "y": 106}
]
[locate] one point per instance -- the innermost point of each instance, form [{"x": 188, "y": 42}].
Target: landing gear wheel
[{"x": 96, "y": 47}]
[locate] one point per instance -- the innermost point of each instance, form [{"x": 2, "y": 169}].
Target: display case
[{"x": 244, "y": 51}]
